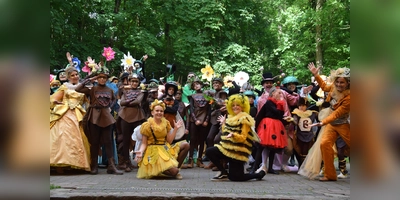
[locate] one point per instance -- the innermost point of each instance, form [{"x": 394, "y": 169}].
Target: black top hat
[{"x": 267, "y": 76}]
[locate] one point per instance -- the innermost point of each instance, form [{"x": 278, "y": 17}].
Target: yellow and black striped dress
[{"x": 239, "y": 146}]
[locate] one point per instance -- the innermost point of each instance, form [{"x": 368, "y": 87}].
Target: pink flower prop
[
  {"x": 51, "y": 77},
  {"x": 86, "y": 68},
  {"x": 108, "y": 53}
]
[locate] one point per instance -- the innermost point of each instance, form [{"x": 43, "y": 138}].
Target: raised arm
[{"x": 325, "y": 87}]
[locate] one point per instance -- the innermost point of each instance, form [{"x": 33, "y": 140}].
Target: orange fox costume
[{"x": 336, "y": 124}]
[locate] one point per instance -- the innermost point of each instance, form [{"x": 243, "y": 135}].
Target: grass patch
[{"x": 54, "y": 186}]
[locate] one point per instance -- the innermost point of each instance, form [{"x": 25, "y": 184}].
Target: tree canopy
[{"x": 230, "y": 35}]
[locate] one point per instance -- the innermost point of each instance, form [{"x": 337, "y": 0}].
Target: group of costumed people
[{"x": 164, "y": 126}]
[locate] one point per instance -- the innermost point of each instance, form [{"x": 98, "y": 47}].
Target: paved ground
[{"x": 196, "y": 184}]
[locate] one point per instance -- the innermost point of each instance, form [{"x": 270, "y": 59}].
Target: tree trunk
[
  {"x": 168, "y": 42},
  {"x": 318, "y": 35},
  {"x": 117, "y": 6},
  {"x": 116, "y": 11}
]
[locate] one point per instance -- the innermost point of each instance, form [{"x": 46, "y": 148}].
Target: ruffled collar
[
  {"x": 300, "y": 113},
  {"x": 241, "y": 118}
]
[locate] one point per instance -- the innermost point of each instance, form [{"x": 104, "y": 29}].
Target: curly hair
[
  {"x": 157, "y": 103},
  {"x": 241, "y": 100}
]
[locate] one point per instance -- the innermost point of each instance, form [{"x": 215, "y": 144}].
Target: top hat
[{"x": 267, "y": 76}]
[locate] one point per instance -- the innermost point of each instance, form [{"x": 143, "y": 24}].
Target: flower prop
[
  {"x": 208, "y": 72},
  {"x": 241, "y": 78},
  {"x": 211, "y": 100},
  {"x": 52, "y": 77},
  {"x": 128, "y": 61},
  {"x": 108, "y": 53},
  {"x": 228, "y": 81},
  {"x": 90, "y": 66}
]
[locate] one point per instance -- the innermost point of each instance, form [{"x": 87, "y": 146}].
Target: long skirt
[{"x": 69, "y": 146}]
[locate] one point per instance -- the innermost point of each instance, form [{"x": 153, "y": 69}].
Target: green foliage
[
  {"x": 52, "y": 186},
  {"x": 231, "y": 36}
]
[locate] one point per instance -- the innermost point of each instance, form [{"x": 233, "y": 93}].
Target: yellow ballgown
[{"x": 69, "y": 146}]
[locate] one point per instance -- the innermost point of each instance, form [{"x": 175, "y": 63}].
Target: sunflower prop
[{"x": 208, "y": 72}]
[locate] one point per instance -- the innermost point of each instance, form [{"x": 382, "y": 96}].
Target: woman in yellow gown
[
  {"x": 156, "y": 156},
  {"x": 69, "y": 146}
]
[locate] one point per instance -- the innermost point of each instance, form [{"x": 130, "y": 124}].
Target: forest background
[{"x": 279, "y": 36}]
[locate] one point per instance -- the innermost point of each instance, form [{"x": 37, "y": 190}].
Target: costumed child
[
  {"x": 304, "y": 137},
  {"x": 270, "y": 127}
]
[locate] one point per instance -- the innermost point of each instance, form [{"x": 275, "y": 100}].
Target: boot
[
  {"x": 121, "y": 163},
  {"x": 129, "y": 165},
  {"x": 199, "y": 163},
  {"x": 94, "y": 165},
  {"x": 190, "y": 164},
  {"x": 342, "y": 168},
  {"x": 209, "y": 166},
  {"x": 111, "y": 169}
]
